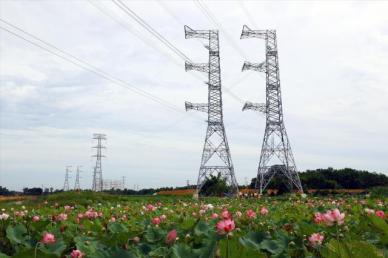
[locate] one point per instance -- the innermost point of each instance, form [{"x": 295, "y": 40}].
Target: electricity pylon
[
  {"x": 97, "y": 173},
  {"x": 276, "y": 146},
  {"x": 66, "y": 184},
  {"x": 216, "y": 157},
  {"x": 77, "y": 177}
]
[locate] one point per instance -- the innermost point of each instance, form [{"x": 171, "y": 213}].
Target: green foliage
[
  {"x": 330, "y": 178},
  {"x": 214, "y": 186},
  {"x": 379, "y": 192},
  {"x": 283, "y": 232},
  {"x": 354, "y": 249},
  {"x": 17, "y": 234}
]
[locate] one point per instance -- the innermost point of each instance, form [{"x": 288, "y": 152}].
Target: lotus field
[{"x": 98, "y": 225}]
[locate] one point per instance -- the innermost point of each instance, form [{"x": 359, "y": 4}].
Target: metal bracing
[
  {"x": 77, "y": 177},
  {"x": 254, "y": 106},
  {"x": 275, "y": 142},
  {"x": 216, "y": 156},
  {"x": 254, "y": 66},
  {"x": 66, "y": 186},
  {"x": 97, "y": 172}
]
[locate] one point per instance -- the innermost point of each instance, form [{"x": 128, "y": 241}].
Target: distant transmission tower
[
  {"x": 66, "y": 184},
  {"x": 77, "y": 177},
  {"x": 216, "y": 155},
  {"x": 97, "y": 173},
  {"x": 276, "y": 146}
]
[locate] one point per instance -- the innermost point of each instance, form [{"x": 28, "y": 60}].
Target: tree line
[
  {"x": 322, "y": 178},
  {"x": 330, "y": 178}
]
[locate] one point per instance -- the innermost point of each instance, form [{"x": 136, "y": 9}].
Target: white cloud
[{"x": 333, "y": 59}]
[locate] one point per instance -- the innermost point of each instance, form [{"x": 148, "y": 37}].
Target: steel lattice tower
[
  {"x": 77, "y": 177},
  {"x": 97, "y": 173},
  {"x": 216, "y": 154},
  {"x": 66, "y": 184},
  {"x": 275, "y": 143}
]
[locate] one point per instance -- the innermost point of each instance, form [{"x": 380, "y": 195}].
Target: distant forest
[{"x": 329, "y": 178}]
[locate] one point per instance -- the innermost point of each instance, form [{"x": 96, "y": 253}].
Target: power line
[
  {"x": 149, "y": 28},
  {"x": 246, "y": 12},
  {"x": 226, "y": 89},
  {"x": 86, "y": 66},
  {"x": 148, "y": 42},
  {"x": 132, "y": 31},
  {"x": 206, "y": 11}
]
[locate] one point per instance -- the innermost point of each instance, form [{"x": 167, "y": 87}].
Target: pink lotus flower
[
  {"x": 333, "y": 216},
  {"x": 35, "y": 218},
  {"x": 90, "y": 214},
  {"x": 150, "y": 207},
  {"x": 226, "y": 214},
  {"x": 251, "y": 214},
  {"x": 76, "y": 254},
  {"x": 163, "y": 217},
  {"x": 264, "y": 211},
  {"x": 171, "y": 237},
  {"x": 156, "y": 221},
  {"x": 225, "y": 226},
  {"x": 318, "y": 218},
  {"x": 48, "y": 238},
  {"x": 113, "y": 219},
  {"x": 4, "y": 216},
  {"x": 19, "y": 213},
  {"x": 62, "y": 217},
  {"x": 202, "y": 211},
  {"x": 316, "y": 239},
  {"x": 380, "y": 214},
  {"x": 214, "y": 215},
  {"x": 369, "y": 211},
  {"x": 238, "y": 214}
]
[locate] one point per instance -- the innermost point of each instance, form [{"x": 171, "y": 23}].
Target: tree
[
  {"x": 329, "y": 178},
  {"x": 214, "y": 186}
]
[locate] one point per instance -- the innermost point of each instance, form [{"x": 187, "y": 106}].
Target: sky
[{"x": 333, "y": 59}]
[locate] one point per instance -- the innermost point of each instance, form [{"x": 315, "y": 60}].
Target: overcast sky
[{"x": 333, "y": 69}]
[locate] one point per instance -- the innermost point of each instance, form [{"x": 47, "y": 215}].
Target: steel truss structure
[
  {"x": 275, "y": 142},
  {"x": 66, "y": 186},
  {"x": 97, "y": 173},
  {"x": 216, "y": 156},
  {"x": 77, "y": 177}
]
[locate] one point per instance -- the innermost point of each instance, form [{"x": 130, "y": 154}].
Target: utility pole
[
  {"x": 216, "y": 158},
  {"x": 66, "y": 184},
  {"x": 276, "y": 154},
  {"x": 97, "y": 173},
  {"x": 77, "y": 177}
]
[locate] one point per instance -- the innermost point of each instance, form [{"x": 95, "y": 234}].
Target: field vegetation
[{"x": 86, "y": 224}]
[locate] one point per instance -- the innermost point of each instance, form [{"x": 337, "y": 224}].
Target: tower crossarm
[
  {"x": 203, "y": 107},
  {"x": 254, "y": 66},
  {"x": 276, "y": 146},
  {"x": 248, "y": 33},
  {"x": 215, "y": 140},
  {"x": 201, "y": 67},
  {"x": 190, "y": 33},
  {"x": 254, "y": 106}
]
